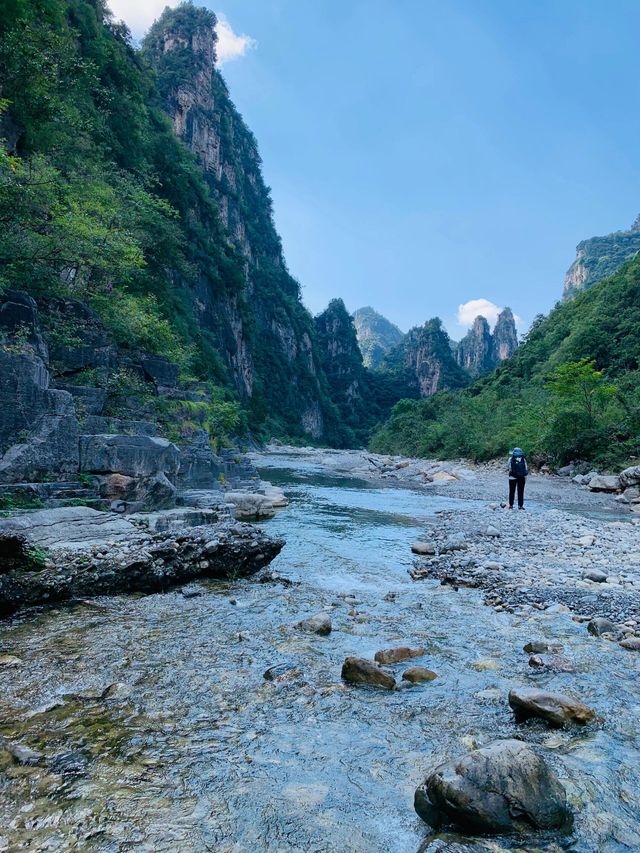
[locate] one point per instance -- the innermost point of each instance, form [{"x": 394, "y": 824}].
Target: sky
[{"x": 435, "y": 158}]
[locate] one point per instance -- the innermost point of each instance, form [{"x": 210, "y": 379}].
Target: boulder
[
  {"x": 247, "y": 505},
  {"x": 600, "y": 625},
  {"x": 200, "y": 468},
  {"x": 455, "y": 542},
  {"x": 133, "y": 455},
  {"x": 424, "y": 547},
  {"x": 418, "y": 674},
  {"x": 631, "y": 643},
  {"x": 443, "y": 477},
  {"x": 504, "y": 787},
  {"x": 361, "y": 671},
  {"x": 318, "y": 624},
  {"x": 595, "y": 575},
  {"x": 397, "y": 654},
  {"x": 604, "y": 483},
  {"x": 630, "y": 477},
  {"x": 556, "y": 708},
  {"x": 155, "y": 492}
]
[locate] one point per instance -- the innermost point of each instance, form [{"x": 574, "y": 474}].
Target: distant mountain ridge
[
  {"x": 599, "y": 257},
  {"x": 480, "y": 351}
]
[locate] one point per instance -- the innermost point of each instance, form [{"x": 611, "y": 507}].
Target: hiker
[{"x": 517, "y": 476}]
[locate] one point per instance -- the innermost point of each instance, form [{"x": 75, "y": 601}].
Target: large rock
[
  {"x": 604, "y": 483},
  {"x": 556, "y": 708},
  {"x": 361, "y": 671},
  {"x": 133, "y": 455},
  {"x": 38, "y": 426},
  {"x": 154, "y": 492},
  {"x": 504, "y": 787},
  {"x": 74, "y": 552},
  {"x": 630, "y": 477},
  {"x": 318, "y": 624},
  {"x": 247, "y": 505},
  {"x": 200, "y": 468}
]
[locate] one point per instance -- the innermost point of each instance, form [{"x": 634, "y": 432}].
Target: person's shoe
[
  {"x": 510, "y": 507},
  {"x": 520, "y": 507}
]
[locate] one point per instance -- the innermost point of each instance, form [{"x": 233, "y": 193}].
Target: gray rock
[
  {"x": 361, "y": 671},
  {"x": 595, "y": 575},
  {"x": 556, "y": 708},
  {"x": 630, "y": 476},
  {"x": 456, "y": 542},
  {"x": 604, "y": 483},
  {"x": 423, "y": 547},
  {"x": 318, "y": 624},
  {"x": 281, "y": 672},
  {"x": 200, "y": 468},
  {"x": 88, "y": 400},
  {"x": 631, "y": 643},
  {"x": 492, "y": 531},
  {"x": 397, "y": 654},
  {"x": 504, "y": 787},
  {"x": 247, "y": 505},
  {"x": 133, "y": 455},
  {"x": 38, "y": 427},
  {"x": 600, "y": 625}
]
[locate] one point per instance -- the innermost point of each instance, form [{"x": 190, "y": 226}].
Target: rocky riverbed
[{"x": 216, "y": 717}]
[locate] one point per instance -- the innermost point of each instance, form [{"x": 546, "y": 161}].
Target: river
[{"x": 160, "y": 732}]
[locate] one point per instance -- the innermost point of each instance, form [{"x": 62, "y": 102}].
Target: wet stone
[
  {"x": 558, "y": 709},
  {"x": 281, "y": 671},
  {"x": 361, "y": 671},
  {"x": 318, "y": 624},
  {"x": 397, "y": 654},
  {"x": 600, "y": 626},
  {"x": 418, "y": 674}
]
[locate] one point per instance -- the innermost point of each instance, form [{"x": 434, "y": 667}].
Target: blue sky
[{"x": 424, "y": 154}]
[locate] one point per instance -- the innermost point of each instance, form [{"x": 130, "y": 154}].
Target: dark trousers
[{"x": 519, "y": 484}]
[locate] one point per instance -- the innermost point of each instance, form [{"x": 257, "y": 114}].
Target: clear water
[{"x": 193, "y": 750}]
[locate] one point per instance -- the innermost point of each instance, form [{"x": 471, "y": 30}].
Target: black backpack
[{"x": 518, "y": 466}]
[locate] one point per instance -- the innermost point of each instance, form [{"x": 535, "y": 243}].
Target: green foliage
[
  {"x": 13, "y": 502},
  {"x": 570, "y": 391}
]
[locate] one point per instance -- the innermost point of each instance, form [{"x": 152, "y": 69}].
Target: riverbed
[{"x": 158, "y": 732}]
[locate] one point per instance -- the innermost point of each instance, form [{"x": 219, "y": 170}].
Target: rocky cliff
[
  {"x": 376, "y": 336},
  {"x": 426, "y": 362},
  {"x": 480, "y": 351},
  {"x": 264, "y": 332},
  {"x": 600, "y": 257}
]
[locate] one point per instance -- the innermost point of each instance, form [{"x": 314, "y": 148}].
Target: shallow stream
[{"x": 160, "y": 733}]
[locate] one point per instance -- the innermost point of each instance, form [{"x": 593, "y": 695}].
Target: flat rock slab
[
  {"x": 556, "y": 708},
  {"x": 72, "y": 528},
  {"x": 504, "y": 787},
  {"x": 362, "y": 671},
  {"x": 117, "y": 556}
]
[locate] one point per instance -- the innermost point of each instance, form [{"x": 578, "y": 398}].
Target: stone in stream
[
  {"x": 424, "y": 547},
  {"x": 492, "y": 531},
  {"x": 418, "y": 674},
  {"x": 361, "y": 671},
  {"x": 631, "y": 643},
  {"x": 504, "y": 787},
  {"x": 318, "y": 624},
  {"x": 595, "y": 575},
  {"x": 552, "y": 663},
  {"x": 397, "y": 654},
  {"x": 600, "y": 625},
  {"x": 556, "y": 708},
  {"x": 540, "y": 646}
]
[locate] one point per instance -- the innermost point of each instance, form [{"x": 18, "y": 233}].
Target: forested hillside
[
  {"x": 131, "y": 186},
  {"x": 570, "y": 392}
]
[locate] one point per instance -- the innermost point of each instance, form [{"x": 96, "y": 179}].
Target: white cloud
[
  {"x": 468, "y": 311},
  {"x": 140, "y": 14},
  {"x": 231, "y": 45}
]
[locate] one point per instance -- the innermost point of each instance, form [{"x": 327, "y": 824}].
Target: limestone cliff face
[
  {"x": 426, "y": 359},
  {"x": 505, "y": 337},
  {"x": 599, "y": 257},
  {"x": 480, "y": 351},
  {"x": 265, "y": 335},
  {"x": 475, "y": 351},
  {"x": 340, "y": 356},
  {"x": 376, "y": 336}
]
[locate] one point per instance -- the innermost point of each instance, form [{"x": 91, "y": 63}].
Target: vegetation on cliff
[{"x": 570, "y": 392}]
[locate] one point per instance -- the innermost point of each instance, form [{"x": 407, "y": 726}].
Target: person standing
[{"x": 518, "y": 471}]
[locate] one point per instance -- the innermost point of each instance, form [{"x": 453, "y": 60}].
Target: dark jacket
[{"x": 512, "y": 474}]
